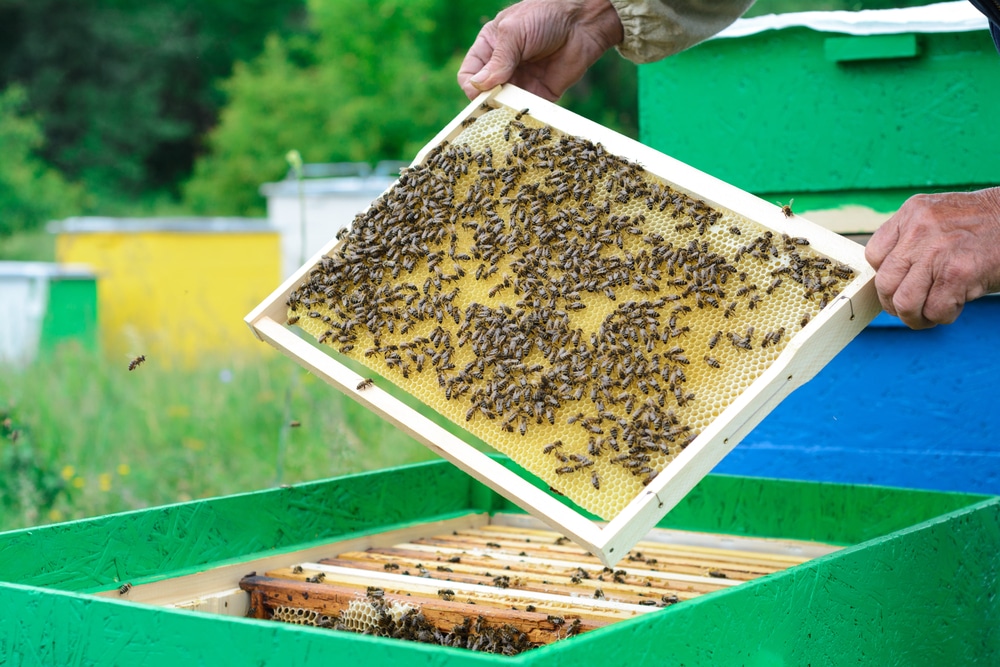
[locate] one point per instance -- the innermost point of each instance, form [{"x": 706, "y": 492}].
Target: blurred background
[{"x": 147, "y": 203}]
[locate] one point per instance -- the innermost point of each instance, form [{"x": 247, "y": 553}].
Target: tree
[
  {"x": 31, "y": 193},
  {"x": 125, "y": 89},
  {"x": 376, "y": 81}
]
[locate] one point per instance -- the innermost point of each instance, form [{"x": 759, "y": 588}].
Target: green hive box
[
  {"x": 917, "y": 583},
  {"x": 831, "y": 119}
]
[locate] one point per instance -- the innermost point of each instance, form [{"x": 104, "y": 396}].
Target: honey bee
[
  {"x": 135, "y": 363},
  {"x": 549, "y": 448},
  {"x": 365, "y": 384},
  {"x": 293, "y": 319},
  {"x": 787, "y": 208},
  {"x": 294, "y": 423},
  {"x": 124, "y": 588},
  {"x": 713, "y": 362},
  {"x": 595, "y": 480}
]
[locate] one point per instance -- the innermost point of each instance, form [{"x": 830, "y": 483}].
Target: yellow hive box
[
  {"x": 173, "y": 288},
  {"x": 611, "y": 319}
]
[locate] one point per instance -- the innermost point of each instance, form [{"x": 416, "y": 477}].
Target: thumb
[{"x": 497, "y": 71}]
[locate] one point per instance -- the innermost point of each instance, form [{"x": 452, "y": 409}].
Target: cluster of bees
[
  {"x": 373, "y": 615},
  {"x": 568, "y": 307},
  {"x": 475, "y": 635}
]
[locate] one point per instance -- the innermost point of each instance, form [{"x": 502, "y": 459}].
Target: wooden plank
[
  {"x": 792, "y": 550},
  {"x": 481, "y": 591},
  {"x": 186, "y": 591},
  {"x": 445, "y": 615},
  {"x": 385, "y": 579},
  {"x": 632, "y": 590}
]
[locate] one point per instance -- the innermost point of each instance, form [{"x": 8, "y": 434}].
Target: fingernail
[{"x": 478, "y": 79}]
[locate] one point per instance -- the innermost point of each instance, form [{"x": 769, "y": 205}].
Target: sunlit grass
[{"x": 117, "y": 440}]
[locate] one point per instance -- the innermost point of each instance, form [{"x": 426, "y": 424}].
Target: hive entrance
[{"x": 600, "y": 323}]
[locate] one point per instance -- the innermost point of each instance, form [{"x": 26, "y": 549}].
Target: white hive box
[{"x": 613, "y": 320}]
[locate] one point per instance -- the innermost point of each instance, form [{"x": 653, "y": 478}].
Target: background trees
[{"x": 185, "y": 106}]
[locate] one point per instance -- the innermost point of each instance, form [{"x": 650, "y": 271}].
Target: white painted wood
[{"x": 805, "y": 354}]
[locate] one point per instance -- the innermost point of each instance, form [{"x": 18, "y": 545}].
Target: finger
[
  {"x": 882, "y": 242},
  {"x": 954, "y": 284},
  {"x": 500, "y": 68},
  {"x": 477, "y": 57},
  {"x": 910, "y": 296},
  {"x": 888, "y": 279}
]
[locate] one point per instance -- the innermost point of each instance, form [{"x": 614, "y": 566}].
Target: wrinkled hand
[
  {"x": 543, "y": 46},
  {"x": 937, "y": 253}
]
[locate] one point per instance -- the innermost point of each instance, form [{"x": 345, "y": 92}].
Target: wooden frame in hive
[{"x": 795, "y": 351}]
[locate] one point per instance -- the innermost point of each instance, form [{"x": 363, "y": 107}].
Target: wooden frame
[{"x": 805, "y": 354}]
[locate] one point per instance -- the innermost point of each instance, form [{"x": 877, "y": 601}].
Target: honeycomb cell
[{"x": 578, "y": 313}]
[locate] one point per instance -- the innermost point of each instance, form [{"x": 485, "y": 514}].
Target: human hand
[
  {"x": 543, "y": 46},
  {"x": 937, "y": 253}
]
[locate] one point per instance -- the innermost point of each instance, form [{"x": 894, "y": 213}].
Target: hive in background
[{"x": 593, "y": 318}]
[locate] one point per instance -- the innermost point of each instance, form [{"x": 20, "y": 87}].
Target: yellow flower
[
  {"x": 55, "y": 515},
  {"x": 194, "y": 444},
  {"x": 104, "y": 481},
  {"x": 179, "y": 411},
  {"x": 68, "y": 472},
  {"x": 79, "y": 482},
  {"x": 124, "y": 469}
]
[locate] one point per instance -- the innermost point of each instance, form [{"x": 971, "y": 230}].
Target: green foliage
[
  {"x": 28, "y": 488},
  {"x": 126, "y": 89},
  {"x": 376, "y": 82},
  {"x": 31, "y": 193}
]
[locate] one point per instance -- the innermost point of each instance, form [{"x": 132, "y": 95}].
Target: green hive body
[{"x": 920, "y": 587}]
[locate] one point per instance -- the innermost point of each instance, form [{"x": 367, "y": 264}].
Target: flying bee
[
  {"x": 135, "y": 363},
  {"x": 787, "y": 208},
  {"x": 365, "y": 384}
]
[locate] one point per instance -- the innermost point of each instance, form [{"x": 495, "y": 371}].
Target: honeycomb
[
  {"x": 576, "y": 312},
  {"x": 364, "y": 615},
  {"x": 378, "y": 617}
]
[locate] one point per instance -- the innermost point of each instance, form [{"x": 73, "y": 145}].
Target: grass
[{"x": 93, "y": 438}]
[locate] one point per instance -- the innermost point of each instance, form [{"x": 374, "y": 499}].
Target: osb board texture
[
  {"x": 859, "y": 605},
  {"x": 821, "y": 511},
  {"x": 105, "y": 551},
  {"x": 794, "y": 122},
  {"x": 924, "y": 596},
  {"x": 573, "y": 310},
  {"x": 171, "y": 540}
]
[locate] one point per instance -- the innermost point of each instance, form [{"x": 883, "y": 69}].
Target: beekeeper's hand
[
  {"x": 937, "y": 253},
  {"x": 543, "y": 46}
]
